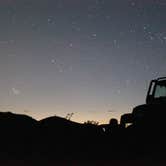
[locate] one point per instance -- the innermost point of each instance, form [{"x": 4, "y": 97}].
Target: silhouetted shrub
[
  {"x": 91, "y": 122},
  {"x": 113, "y": 122}
]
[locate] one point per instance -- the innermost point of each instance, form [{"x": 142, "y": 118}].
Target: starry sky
[{"x": 93, "y": 58}]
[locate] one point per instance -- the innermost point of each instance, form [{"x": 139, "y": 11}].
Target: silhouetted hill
[
  {"x": 16, "y": 118},
  {"x": 56, "y": 122},
  {"x": 17, "y": 134},
  {"x": 62, "y": 137}
]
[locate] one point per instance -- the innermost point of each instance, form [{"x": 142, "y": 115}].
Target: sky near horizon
[{"x": 93, "y": 58}]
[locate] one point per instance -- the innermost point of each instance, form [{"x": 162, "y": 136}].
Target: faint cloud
[
  {"x": 111, "y": 110},
  {"x": 4, "y": 42},
  {"x": 61, "y": 70},
  {"x": 118, "y": 91},
  {"x": 11, "y": 55},
  {"x": 71, "y": 68},
  {"x": 16, "y": 91},
  {"x": 26, "y": 111}
]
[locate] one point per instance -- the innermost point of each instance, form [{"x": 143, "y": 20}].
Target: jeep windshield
[{"x": 160, "y": 90}]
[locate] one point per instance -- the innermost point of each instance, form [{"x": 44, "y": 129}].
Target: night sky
[{"x": 93, "y": 58}]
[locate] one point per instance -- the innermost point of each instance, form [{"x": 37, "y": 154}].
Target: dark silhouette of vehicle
[{"x": 153, "y": 112}]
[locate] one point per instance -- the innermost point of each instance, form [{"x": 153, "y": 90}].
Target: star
[
  {"x": 71, "y": 45},
  {"x": 53, "y": 61}
]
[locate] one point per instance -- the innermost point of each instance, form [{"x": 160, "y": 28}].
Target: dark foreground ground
[
  {"x": 57, "y": 141},
  {"x": 83, "y": 163}
]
